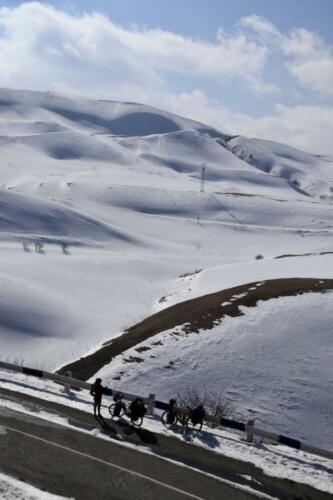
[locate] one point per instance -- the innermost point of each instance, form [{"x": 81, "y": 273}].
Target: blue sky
[
  {"x": 202, "y": 18},
  {"x": 257, "y": 67}
]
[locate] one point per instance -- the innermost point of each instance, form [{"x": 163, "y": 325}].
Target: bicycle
[
  {"x": 173, "y": 417},
  {"x": 193, "y": 424},
  {"x": 184, "y": 418},
  {"x": 120, "y": 409}
]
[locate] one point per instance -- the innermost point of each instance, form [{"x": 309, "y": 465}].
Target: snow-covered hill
[
  {"x": 272, "y": 361},
  {"x": 112, "y": 190},
  {"x": 308, "y": 174}
]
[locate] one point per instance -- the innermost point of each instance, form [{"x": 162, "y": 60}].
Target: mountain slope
[
  {"x": 112, "y": 191},
  {"x": 273, "y": 362},
  {"x": 308, "y": 174}
]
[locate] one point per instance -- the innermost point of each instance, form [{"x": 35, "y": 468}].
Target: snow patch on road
[{"x": 13, "y": 489}]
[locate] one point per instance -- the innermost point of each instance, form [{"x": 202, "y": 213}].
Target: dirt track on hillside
[{"x": 196, "y": 314}]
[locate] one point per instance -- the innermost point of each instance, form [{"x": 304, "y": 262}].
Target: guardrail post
[
  {"x": 67, "y": 385},
  {"x": 249, "y": 435},
  {"x": 151, "y": 404}
]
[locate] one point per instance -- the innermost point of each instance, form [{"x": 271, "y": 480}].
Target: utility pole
[{"x": 203, "y": 170}]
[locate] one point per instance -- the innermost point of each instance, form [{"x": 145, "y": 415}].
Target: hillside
[
  {"x": 112, "y": 191},
  {"x": 265, "y": 346}
]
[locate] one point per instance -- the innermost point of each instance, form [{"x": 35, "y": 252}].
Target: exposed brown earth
[
  {"x": 202, "y": 313},
  {"x": 288, "y": 255}
]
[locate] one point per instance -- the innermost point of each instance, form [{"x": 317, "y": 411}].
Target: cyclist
[
  {"x": 198, "y": 414},
  {"x": 97, "y": 392},
  {"x": 171, "y": 416}
]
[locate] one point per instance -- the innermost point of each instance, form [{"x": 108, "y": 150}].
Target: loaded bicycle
[
  {"x": 135, "y": 411},
  {"x": 191, "y": 419}
]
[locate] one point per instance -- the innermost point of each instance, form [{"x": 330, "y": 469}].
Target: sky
[{"x": 260, "y": 68}]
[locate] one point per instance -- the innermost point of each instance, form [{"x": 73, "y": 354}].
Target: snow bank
[{"x": 13, "y": 489}]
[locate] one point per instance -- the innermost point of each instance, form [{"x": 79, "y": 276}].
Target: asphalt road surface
[
  {"x": 120, "y": 461},
  {"x": 81, "y": 466}
]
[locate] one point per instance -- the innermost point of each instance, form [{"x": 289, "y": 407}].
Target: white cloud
[
  {"x": 316, "y": 74},
  {"x": 229, "y": 56},
  {"x": 302, "y": 43},
  {"x": 305, "y": 127},
  {"x": 311, "y": 61},
  {"x": 260, "y": 25},
  {"x": 308, "y": 58},
  {"x": 44, "y": 37}
]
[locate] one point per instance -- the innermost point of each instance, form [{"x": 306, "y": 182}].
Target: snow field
[{"x": 119, "y": 184}]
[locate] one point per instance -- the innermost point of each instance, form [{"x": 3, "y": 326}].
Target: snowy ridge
[{"x": 308, "y": 174}]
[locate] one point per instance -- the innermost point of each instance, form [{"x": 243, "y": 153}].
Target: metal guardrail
[
  {"x": 68, "y": 381},
  {"x": 248, "y": 428}
]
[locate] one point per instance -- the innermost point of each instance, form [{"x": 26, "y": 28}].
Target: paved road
[{"x": 73, "y": 464}]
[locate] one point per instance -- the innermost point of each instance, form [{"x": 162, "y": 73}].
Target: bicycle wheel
[
  {"x": 194, "y": 427},
  {"x": 169, "y": 419},
  {"x": 183, "y": 419},
  {"x": 120, "y": 413},
  {"x": 136, "y": 421}
]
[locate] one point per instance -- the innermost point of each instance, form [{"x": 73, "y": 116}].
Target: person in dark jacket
[
  {"x": 97, "y": 392},
  {"x": 171, "y": 416},
  {"x": 198, "y": 414}
]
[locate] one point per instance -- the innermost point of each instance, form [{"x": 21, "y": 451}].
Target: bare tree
[
  {"x": 65, "y": 248},
  {"x": 39, "y": 247},
  {"x": 215, "y": 403},
  {"x": 25, "y": 245}
]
